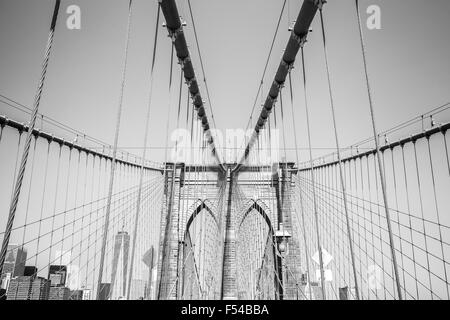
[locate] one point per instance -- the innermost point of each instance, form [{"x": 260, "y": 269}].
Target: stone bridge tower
[{"x": 228, "y": 197}]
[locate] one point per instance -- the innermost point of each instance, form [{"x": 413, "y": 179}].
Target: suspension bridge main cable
[
  {"x": 21, "y": 107},
  {"x": 299, "y": 31},
  {"x": 175, "y": 29}
]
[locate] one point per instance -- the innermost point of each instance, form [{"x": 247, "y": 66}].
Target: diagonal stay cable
[
  {"x": 116, "y": 139},
  {"x": 267, "y": 63},
  {"x": 201, "y": 64},
  {"x": 23, "y": 163}
]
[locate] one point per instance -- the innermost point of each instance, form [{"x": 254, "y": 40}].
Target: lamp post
[{"x": 282, "y": 240}]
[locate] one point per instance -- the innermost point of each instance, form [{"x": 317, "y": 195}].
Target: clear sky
[{"x": 408, "y": 65}]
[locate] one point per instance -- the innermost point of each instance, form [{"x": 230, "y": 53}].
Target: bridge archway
[
  {"x": 262, "y": 209},
  {"x": 256, "y": 253},
  {"x": 195, "y": 210},
  {"x": 200, "y": 270}
]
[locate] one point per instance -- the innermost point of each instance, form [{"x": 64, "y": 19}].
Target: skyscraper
[
  {"x": 40, "y": 289},
  {"x": 343, "y": 293},
  {"x": 72, "y": 277},
  {"x": 16, "y": 257},
  {"x": 28, "y": 288},
  {"x": 76, "y": 295},
  {"x": 137, "y": 290},
  {"x": 59, "y": 293},
  {"x": 119, "y": 271},
  {"x": 14, "y": 265},
  {"x": 104, "y": 291},
  {"x": 57, "y": 275},
  {"x": 30, "y": 271},
  {"x": 19, "y": 288},
  {"x": 86, "y": 294}
]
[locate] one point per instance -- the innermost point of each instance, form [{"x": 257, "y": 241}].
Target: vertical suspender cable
[
  {"x": 113, "y": 161},
  {"x": 176, "y": 283},
  {"x": 1, "y": 131},
  {"x": 300, "y": 193},
  {"x": 341, "y": 173},
  {"x": 90, "y": 217},
  {"x": 147, "y": 125},
  {"x": 283, "y": 189},
  {"x": 436, "y": 205},
  {"x": 444, "y": 132},
  {"x": 179, "y": 240},
  {"x": 380, "y": 168},
  {"x": 29, "y": 191},
  {"x": 16, "y": 162},
  {"x": 37, "y": 99},
  {"x": 201, "y": 63},
  {"x": 266, "y": 65},
  {"x": 43, "y": 199},
  {"x": 422, "y": 216},
  {"x": 166, "y": 180},
  {"x": 316, "y": 214}
]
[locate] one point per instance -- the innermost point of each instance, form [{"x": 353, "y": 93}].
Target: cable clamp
[
  {"x": 272, "y": 101},
  {"x": 300, "y": 40},
  {"x": 319, "y": 3},
  {"x": 288, "y": 66},
  {"x": 189, "y": 82},
  {"x": 182, "y": 62},
  {"x": 36, "y": 133},
  {"x": 196, "y": 95},
  {"x": 173, "y": 34},
  {"x": 22, "y": 128},
  {"x": 278, "y": 84}
]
